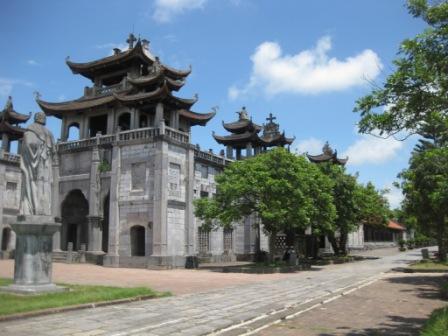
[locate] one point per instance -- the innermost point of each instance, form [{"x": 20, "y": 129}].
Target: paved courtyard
[{"x": 223, "y": 310}]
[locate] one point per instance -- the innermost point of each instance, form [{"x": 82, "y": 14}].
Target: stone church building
[{"x": 124, "y": 189}]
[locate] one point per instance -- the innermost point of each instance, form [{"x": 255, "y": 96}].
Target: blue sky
[{"x": 305, "y": 61}]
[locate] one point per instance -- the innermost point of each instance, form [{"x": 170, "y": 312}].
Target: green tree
[
  {"x": 355, "y": 204},
  {"x": 425, "y": 185},
  {"x": 285, "y": 191},
  {"x": 414, "y": 98}
]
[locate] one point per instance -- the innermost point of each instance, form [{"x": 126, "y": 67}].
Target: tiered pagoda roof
[
  {"x": 142, "y": 79},
  {"x": 244, "y": 131},
  {"x": 10, "y": 120},
  {"x": 328, "y": 155}
]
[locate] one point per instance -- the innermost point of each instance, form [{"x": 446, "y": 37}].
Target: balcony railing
[
  {"x": 9, "y": 157},
  {"x": 148, "y": 133}
]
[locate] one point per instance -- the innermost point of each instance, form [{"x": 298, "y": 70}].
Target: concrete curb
[{"x": 20, "y": 316}]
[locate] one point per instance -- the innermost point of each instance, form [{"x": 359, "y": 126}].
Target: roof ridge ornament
[{"x": 131, "y": 39}]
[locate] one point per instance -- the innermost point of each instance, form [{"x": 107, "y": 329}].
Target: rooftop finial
[
  {"x": 131, "y": 39},
  {"x": 327, "y": 149},
  {"x": 271, "y": 118}
]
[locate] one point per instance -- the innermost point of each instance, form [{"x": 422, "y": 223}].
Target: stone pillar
[
  {"x": 238, "y": 153},
  {"x": 229, "y": 152},
  {"x": 112, "y": 259},
  {"x": 5, "y": 142},
  {"x": 110, "y": 122},
  {"x": 159, "y": 114},
  {"x": 94, "y": 234},
  {"x": 189, "y": 223},
  {"x": 174, "y": 119},
  {"x": 248, "y": 149},
  {"x": 55, "y": 204},
  {"x": 160, "y": 200},
  {"x": 33, "y": 264}
]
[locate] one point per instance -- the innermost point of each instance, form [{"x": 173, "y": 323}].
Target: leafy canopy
[
  {"x": 414, "y": 98},
  {"x": 287, "y": 193}
]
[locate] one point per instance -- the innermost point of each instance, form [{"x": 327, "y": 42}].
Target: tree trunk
[
  {"x": 334, "y": 243},
  {"x": 272, "y": 238},
  {"x": 442, "y": 241},
  {"x": 343, "y": 243}
]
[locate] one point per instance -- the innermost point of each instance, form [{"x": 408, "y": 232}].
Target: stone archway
[
  {"x": 6, "y": 237},
  {"x": 137, "y": 241},
  {"x": 74, "y": 211}
]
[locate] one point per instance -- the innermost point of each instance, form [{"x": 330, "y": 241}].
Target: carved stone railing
[
  {"x": 210, "y": 157},
  {"x": 138, "y": 134},
  {"x": 177, "y": 135},
  {"x": 101, "y": 91},
  {"x": 9, "y": 157},
  {"x": 148, "y": 133}
]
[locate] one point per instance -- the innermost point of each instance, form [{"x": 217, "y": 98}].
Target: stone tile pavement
[{"x": 207, "y": 312}]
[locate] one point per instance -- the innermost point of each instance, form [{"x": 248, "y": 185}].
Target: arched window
[
  {"x": 73, "y": 132},
  {"x": 124, "y": 121},
  {"x": 137, "y": 240}
]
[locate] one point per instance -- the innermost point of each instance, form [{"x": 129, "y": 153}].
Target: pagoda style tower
[
  {"x": 245, "y": 135},
  {"x": 124, "y": 190},
  {"x": 9, "y": 125},
  {"x": 328, "y": 155},
  {"x": 134, "y": 81}
]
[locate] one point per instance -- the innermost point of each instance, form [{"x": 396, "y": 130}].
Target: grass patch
[
  {"x": 78, "y": 294},
  {"x": 437, "y": 324},
  {"x": 430, "y": 265}
]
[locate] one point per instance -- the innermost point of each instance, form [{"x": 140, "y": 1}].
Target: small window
[
  {"x": 204, "y": 171},
  {"x": 11, "y": 186},
  {"x": 204, "y": 194}
]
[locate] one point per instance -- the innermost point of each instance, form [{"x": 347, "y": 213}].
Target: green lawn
[
  {"x": 78, "y": 294},
  {"x": 429, "y": 265},
  {"x": 437, "y": 325}
]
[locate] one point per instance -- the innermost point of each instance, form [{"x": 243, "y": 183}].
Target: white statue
[{"x": 36, "y": 166}]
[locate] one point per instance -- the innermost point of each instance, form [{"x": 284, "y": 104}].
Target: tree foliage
[
  {"x": 287, "y": 193},
  {"x": 425, "y": 185},
  {"x": 414, "y": 98}
]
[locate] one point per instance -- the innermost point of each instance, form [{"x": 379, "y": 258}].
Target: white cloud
[
  {"x": 394, "y": 196},
  {"x": 370, "y": 149},
  {"x": 32, "y": 62},
  {"x": 307, "y": 72},
  {"x": 7, "y": 84},
  {"x": 165, "y": 10},
  {"x": 312, "y": 146}
]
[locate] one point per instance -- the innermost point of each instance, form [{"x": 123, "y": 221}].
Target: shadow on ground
[{"x": 424, "y": 287}]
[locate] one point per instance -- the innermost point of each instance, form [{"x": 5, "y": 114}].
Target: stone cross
[{"x": 271, "y": 118}]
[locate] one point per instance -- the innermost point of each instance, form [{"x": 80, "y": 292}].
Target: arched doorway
[
  {"x": 137, "y": 240},
  {"x": 124, "y": 121},
  {"x": 73, "y": 132},
  {"x": 74, "y": 211},
  {"x": 105, "y": 233},
  {"x": 6, "y": 237}
]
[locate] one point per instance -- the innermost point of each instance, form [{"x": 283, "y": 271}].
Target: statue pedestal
[{"x": 33, "y": 263}]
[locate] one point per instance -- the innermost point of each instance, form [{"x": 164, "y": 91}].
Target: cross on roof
[
  {"x": 131, "y": 39},
  {"x": 271, "y": 118}
]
